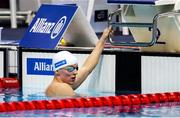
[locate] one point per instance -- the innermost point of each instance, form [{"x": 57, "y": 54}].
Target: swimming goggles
[{"x": 71, "y": 68}]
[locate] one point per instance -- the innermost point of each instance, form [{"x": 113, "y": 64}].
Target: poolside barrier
[{"x": 88, "y": 102}]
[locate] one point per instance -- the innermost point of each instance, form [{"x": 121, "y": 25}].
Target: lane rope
[
  {"x": 83, "y": 102},
  {"x": 9, "y": 83},
  {"x": 88, "y": 102}
]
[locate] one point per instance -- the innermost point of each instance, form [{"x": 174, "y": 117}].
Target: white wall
[
  {"x": 12, "y": 67},
  {"x": 160, "y": 74},
  {"x": 102, "y": 78},
  {"x": 1, "y": 64}
]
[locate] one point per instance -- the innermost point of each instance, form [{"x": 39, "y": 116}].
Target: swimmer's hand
[{"x": 108, "y": 31}]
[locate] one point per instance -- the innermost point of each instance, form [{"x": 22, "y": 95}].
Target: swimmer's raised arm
[{"x": 93, "y": 59}]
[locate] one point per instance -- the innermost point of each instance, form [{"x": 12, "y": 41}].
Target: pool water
[
  {"x": 167, "y": 109},
  {"x": 29, "y": 94}
]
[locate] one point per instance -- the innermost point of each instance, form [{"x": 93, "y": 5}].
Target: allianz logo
[
  {"x": 42, "y": 26},
  {"x": 42, "y": 66}
]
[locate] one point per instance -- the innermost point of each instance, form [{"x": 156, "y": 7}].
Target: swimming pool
[{"x": 166, "y": 105}]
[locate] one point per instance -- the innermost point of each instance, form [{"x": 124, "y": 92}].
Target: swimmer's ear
[{"x": 56, "y": 72}]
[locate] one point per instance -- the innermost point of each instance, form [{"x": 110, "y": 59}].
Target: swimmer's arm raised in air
[{"x": 92, "y": 59}]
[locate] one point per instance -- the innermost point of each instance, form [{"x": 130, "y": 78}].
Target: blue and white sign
[
  {"x": 48, "y": 26},
  {"x": 132, "y": 1},
  {"x": 39, "y": 66}
]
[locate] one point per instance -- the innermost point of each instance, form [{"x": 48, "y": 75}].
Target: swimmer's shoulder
[{"x": 60, "y": 89}]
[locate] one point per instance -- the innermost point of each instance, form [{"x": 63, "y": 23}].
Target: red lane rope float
[
  {"x": 122, "y": 100},
  {"x": 9, "y": 83}
]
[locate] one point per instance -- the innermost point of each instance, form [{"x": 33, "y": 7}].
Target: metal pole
[
  {"x": 125, "y": 30},
  {"x": 1, "y": 28},
  {"x": 90, "y": 9},
  {"x": 13, "y": 13}
]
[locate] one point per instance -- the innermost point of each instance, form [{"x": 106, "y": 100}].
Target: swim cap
[{"x": 63, "y": 59}]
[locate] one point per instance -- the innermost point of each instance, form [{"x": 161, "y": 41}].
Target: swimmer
[{"x": 67, "y": 75}]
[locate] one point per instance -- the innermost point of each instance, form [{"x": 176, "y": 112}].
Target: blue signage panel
[
  {"x": 132, "y": 1},
  {"x": 48, "y": 26},
  {"x": 39, "y": 66}
]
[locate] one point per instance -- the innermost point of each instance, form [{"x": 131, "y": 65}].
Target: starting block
[
  {"x": 142, "y": 2},
  {"x": 132, "y": 1},
  {"x": 54, "y": 22},
  {"x": 154, "y": 24}
]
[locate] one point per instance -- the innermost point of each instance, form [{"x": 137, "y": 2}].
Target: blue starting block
[{"x": 54, "y": 22}]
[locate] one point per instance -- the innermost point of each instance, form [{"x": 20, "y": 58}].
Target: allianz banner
[
  {"x": 48, "y": 26},
  {"x": 39, "y": 66}
]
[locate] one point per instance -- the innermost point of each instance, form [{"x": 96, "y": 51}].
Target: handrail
[
  {"x": 27, "y": 16},
  {"x": 152, "y": 27}
]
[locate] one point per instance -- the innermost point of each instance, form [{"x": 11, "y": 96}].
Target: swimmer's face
[{"x": 68, "y": 74}]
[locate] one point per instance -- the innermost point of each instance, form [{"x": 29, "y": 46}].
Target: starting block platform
[
  {"x": 55, "y": 22},
  {"x": 144, "y": 2},
  {"x": 154, "y": 24}
]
